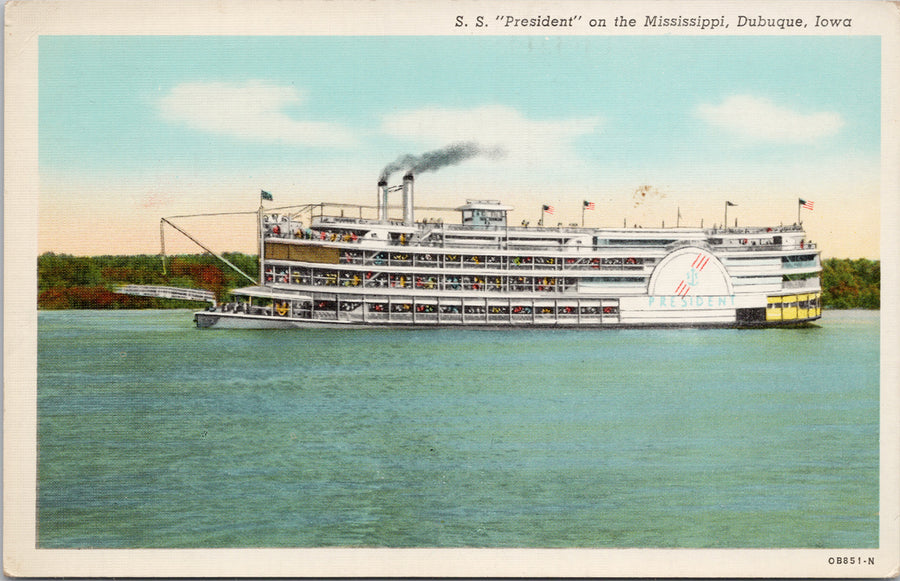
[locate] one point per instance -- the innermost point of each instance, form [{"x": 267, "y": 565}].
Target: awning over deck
[{"x": 264, "y": 292}]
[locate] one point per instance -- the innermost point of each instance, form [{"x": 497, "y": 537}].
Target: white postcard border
[{"x": 26, "y": 21}]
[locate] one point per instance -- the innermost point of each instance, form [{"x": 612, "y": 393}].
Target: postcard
[{"x": 471, "y": 288}]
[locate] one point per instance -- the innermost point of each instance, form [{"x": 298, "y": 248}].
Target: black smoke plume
[{"x": 435, "y": 160}]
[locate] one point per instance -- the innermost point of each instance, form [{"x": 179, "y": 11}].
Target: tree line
[{"x": 88, "y": 282}]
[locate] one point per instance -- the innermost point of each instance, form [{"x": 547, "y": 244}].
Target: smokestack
[
  {"x": 382, "y": 200},
  {"x": 408, "y": 218}
]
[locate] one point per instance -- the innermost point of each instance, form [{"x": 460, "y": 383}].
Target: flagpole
[
  {"x": 262, "y": 248},
  {"x": 582, "y": 214},
  {"x": 262, "y": 243},
  {"x": 799, "y": 206},
  {"x": 725, "y": 224}
]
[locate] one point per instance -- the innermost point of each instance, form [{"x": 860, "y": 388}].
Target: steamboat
[{"x": 320, "y": 268}]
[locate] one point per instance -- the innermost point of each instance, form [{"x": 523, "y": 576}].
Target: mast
[{"x": 162, "y": 245}]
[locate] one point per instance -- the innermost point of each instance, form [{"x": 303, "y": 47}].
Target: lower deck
[{"x": 402, "y": 311}]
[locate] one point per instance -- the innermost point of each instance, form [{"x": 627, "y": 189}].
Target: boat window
[
  {"x": 612, "y": 279},
  {"x": 805, "y": 260}
]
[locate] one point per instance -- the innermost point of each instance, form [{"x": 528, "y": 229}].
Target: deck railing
[{"x": 168, "y": 292}]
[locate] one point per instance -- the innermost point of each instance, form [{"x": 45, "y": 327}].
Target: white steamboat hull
[
  {"x": 696, "y": 318},
  {"x": 343, "y": 272}
]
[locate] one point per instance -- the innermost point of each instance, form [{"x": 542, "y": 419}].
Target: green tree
[{"x": 851, "y": 284}]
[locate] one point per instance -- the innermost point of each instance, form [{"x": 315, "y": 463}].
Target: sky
[{"x": 135, "y": 128}]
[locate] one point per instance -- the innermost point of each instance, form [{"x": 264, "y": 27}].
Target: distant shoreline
[{"x": 67, "y": 282}]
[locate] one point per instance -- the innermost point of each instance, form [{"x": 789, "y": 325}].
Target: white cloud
[
  {"x": 759, "y": 119},
  {"x": 493, "y": 126},
  {"x": 253, "y": 111}
]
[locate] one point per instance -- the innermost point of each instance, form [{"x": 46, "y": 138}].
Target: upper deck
[{"x": 321, "y": 223}]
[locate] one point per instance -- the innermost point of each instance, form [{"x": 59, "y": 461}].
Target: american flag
[
  {"x": 806, "y": 204},
  {"x": 588, "y": 205},
  {"x": 548, "y": 209}
]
